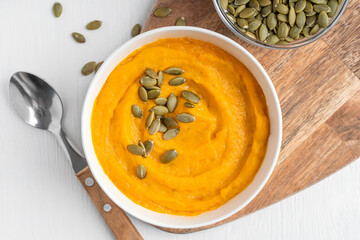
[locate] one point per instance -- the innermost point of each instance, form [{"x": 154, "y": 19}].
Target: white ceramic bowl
[{"x": 239, "y": 201}]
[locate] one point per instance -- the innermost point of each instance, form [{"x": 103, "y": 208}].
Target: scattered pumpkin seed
[
  {"x": 171, "y": 133},
  {"x": 169, "y": 122},
  {"x": 149, "y": 119},
  {"x": 174, "y": 71},
  {"x": 135, "y": 149},
  {"x": 163, "y": 128},
  {"x": 190, "y": 96},
  {"x": 177, "y": 81},
  {"x": 159, "y": 110},
  {"x": 189, "y": 105},
  {"x": 155, "y": 126},
  {"x": 168, "y": 156},
  {"x": 93, "y": 25},
  {"x": 98, "y": 65},
  {"x": 143, "y": 94},
  {"x": 180, "y": 22},
  {"x": 88, "y": 68},
  {"x": 152, "y": 94},
  {"x": 151, "y": 73},
  {"x": 172, "y": 102},
  {"x": 161, "y": 101},
  {"x": 162, "y": 12},
  {"x": 185, "y": 117},
  {"x": 135, "y": 30},
  {"x": 78, "y": 37},
  {"x": 57, "y": 9},
  {"x": 149, "y": 145},
  {"x": 136, "y": 111},
  {"x": 141, "y": 171},
  {"x": 147, "y": 81}
]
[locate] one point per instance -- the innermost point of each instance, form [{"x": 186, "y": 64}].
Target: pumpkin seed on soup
[
  {"x": 143, "y": 94},
  {"x": 161, "y": 101},
  {"x": 147, "y": 81},
  {"x": 169, "y": 122},
  {"x": 190, "y": 96},
  {"x": 141, "y": 171},
  {"x": 149, "y": 145},
  {"x": 172, "y": 102},
  {"x": 189, "y": 105},
  {"x": 168, "y": 156},
  {"x": 152, "y": 94},
  {"x": 149, "y": 119},
  {"x": 155, "y": 126},
  {"x": 136, "y": 111},
  {"x": 174, "y": 71},
  {"x": 185, "y": 117},
  {"x": 135, "y": 149},
  {"x": 177, "y": 81},
  {"x": 162, "y": 128},
  {"x": 151, "y": 73},
  {"x": 159, "y": 110},
  {"x": 171, "y": 133},
  {"x": 160, "y": 79}
]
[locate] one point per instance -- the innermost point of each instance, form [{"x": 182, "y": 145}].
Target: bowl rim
[
  {"x": 89, "y": 148},
  {"x": 232, "y": 27}
]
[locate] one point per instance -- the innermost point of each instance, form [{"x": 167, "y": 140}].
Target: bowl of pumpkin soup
[{"x": 181, "y": 127}]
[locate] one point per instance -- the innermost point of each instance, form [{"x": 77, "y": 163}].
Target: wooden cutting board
[{"x": 319, "y": 90}]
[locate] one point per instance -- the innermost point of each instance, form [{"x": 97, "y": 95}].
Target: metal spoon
[{"x": 38, "y": 104}]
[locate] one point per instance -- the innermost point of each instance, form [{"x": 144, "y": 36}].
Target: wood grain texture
[
  {"x": 116, "y": 219},
  {"x": 318, "y": 87}
]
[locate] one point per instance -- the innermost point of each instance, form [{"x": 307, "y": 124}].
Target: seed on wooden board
[
  {"x": 136, "y": 111},
  {"x": 152, "y": 94},
  {"x": 168, "y": 156},
  {"x": 292, "y": 16},
  {"x": 143, "y": 94},
  {"x": 162, "y": 12},
  {"x": 190, "y": 96},
  {"x": 333, "y": 4},
  {"x": 180, "y": 22},
  {"x": 271, "y": 21},
  {"x": 177, "y": 81},
  {"x": 185, "y": 117},
  {"x": 141, "y": 171},
  {"x": 323, "y": 19},
  {"x": 149, "y": 119},
  {"x": 149, "y": 145},
  {"x": 174, "y": 71},
  {"x": 147, "y": 81},
  {"x": 162, "y": 128},
  {"x": 160, "y": 79},
  {"x": 135, "y": 149},
  {"x": 98, "y": 65},
  {"x": 88, "y": 68},
  {"x": 247, "y": 13},
  {"x": 93, "y": 25},
  {"x": 189, "y": 105},
  {"x": 171, "y": 133},
  {"x": 253, "y": 25},
  {"x": 224, "y": 4},
  {"x": 155, "y": 126},
  {"x": 159, "y": 110},
  {"x": 78, "y": 37},
  {"x": 169, "y": 122},
  {"x": 282, "y": 8},
  {"x": 151, "y": 73},
  {"x": 300, "y": 6},
  {"x": 161, "y": 101},
  {"x": 57, "y": 9},
  {"x": 172, "y": 102},
  {"x": 135, "y": 30}
]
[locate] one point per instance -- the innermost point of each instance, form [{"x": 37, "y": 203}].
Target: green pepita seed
[
  {"x": 141, "y": 144},
  {"x": 98, "y": 65},
  {"x": 259, "y": 17},
  {"x": 177, "y": 81},
  {"x": 170, "y": 134},
  {"x": 224, "y": 4},
  {"x": 309, "y": 14},
  {"x": 168, "y": 156},
  {"x": 238, "y": 10},
  {"x": 163, "y": 128},
  {"x": 231, "y": 17},
  {"x": 143, "y": 94},
  {"x": 310, "y": 21},
  {"x": 322, "y": 7},
  {"x": 190, "y": 96},
  {"x": 323, "y": 19},
  {"x": 93, "y": 25},
  {"x": 308, "y": 7},
  {"x": 161, "y": 101},
  {"x": 136, "y": 30},
  {"x": 253, "y": 25},
  {"x": 314, "y": 30},
  {"x": 333, "y": 4},
  {"x": 174, "y": 71},
  {"x": 151, "y": 73},
  {"x": 149, "y": 145},
  {"x": 136, "y": 111},
  {"x": 160, "y": 79},
  {"x": 141, "y": 171},
  {"x": 264, "y": 3},
  {"x": 274, "y": 3},
  {"x": 300, "y": 19},
  {"x": 254, "y": 4},
  {"x": 57, "y": 9},
  {"x": 292, "y": 16},
  {"x": 147, "y": 81},
  {"x": 180, "y": 22},
  {"x": 189, "y": 105},
  {"x": 135, "y": 149},
  {"x": 88, "y": 68},
  {"x": 265, "y": 11},
  {"x": 319, "y": 1},
  {"x": 231, "y": 9},
  {"x": 282, "y": 8},
  {"x": 271, "y": 21},
  {"x": 78, "y": 37},
  {"x": 283, "y": 31},
  {"x": 155, "y": 126},
  {"x": 152, "y": 94},
  {"x": 152, "y": 88},
  {"x": 294, "y": 32},
  {"x": 241, "y": 2},
  {"x": 185, "y": 117},
  {"x": 169, "y": 122},
  {"x": 306, "y": 32},
  {"x": 162, "y": 12},
  {"x": 282, "y": 42},
  {"x": 272, "y": 39},
  {"x": 282, "y": 17},
  {"x": 149, "y": 119},
  {"x": 263, "y": 32},
  {"x": 172, "y": 102},
  {"x": 159, "y": 110},
  {"x": 300, "y": 6},
  {"x": 247, "y": 13},
  {"x": 250, "y": 34},
  {"x": 242, "y": 23}
]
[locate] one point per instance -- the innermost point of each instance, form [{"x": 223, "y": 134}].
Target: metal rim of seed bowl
[{"x": 296, "y": 44}]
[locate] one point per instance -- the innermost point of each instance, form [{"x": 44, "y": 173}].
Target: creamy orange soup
[{"x": 218, "y": 154}]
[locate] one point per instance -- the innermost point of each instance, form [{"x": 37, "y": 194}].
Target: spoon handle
[{"x": 115, "y": 218}]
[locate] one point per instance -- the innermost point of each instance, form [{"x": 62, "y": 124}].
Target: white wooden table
[{"x": 40, "y": 198}]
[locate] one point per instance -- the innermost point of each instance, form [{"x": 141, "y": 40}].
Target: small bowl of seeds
[{"x": 280, "y": 24}]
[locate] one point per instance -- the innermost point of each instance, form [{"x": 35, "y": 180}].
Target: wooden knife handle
[{"x": 115, "y": 218}]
